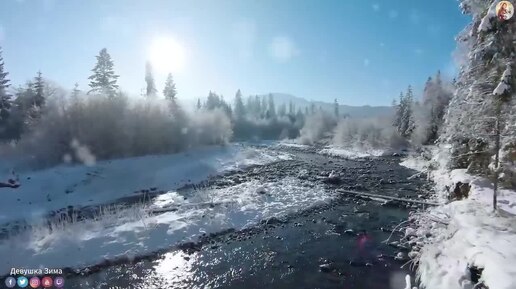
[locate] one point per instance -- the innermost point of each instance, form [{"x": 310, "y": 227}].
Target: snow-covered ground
[
  {"x": 352, "y": 152},
  {"x": 137, "y": 230},
  {"x": 46, "y": 190},
  {"x": 467, "y": 233}
]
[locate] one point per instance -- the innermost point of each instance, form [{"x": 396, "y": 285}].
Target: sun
[{"x": 167, "y": 55}]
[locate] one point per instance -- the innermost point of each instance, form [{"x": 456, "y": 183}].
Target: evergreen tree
[
  {"x": 265, "y": 108},
  {"x": 39, "y": 90},
  {"x": 291, "y": 108},
  {"x": 406, "y": 117},
  {"x": 199, "y": 106},
  {"x": 213, "y": 101},
  {"x": 239, "y": 106},
  {"x": 170, "y": 91},
  {"x": 398, "y": 115},
  {"x": 272, "y": 107},
  {"x": 150, "y": 90},
  {"x": 257, "y": 107},
  {"x": 104, "y": 79},
  {"x": 336, "y": 108},
  {"x": 312, "y": 108},
  {"x": 5, "y": 96},
  {"x": 282, "y": 109}
]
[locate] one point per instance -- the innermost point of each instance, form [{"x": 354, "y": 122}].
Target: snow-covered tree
[
  {"x": 271, "y": 108},
  {"x": 5, "y": 97},
  {"x": 170, "y": 91},
  {"x": 150, "y": 90},
  {"x": 239, "y": 106},
  {"x": 199, "y": 105},
  {"x": 104, "y": 80},
  {"x": 336, "y": 108},
  {"x": 39, "y": 90},
  {"x": 481, "y": 115},
  {"x": 404, "y": 116}
]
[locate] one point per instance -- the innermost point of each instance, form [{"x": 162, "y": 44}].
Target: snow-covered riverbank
[
  {"x": 466, "y": 233},
  {"x": 42, "y": 191}
]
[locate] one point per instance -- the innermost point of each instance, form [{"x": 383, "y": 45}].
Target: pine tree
[
  {"x": 150, "y": 90},
  {"x": 271, "y": 107},
  {"x": 291, "y": 108},
  {"x": 336, "y": 108},
  {"x": 5, "y": 96},
  {"x": 170, "y": 91},
  {"x": 239, "y": 106},
  {"x": 103, "y": 79},
  {"x": 398, "y": 115},
  {"x": 408, "y": 117},
  {"x": 199, "y": 105},
  {"x": 257, "y": 107},
  {"x": 282, "y": 109},
  {"x": 39, "y": 90}
]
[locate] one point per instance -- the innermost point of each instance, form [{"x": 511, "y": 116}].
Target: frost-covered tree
[
  {"x": 150, "y": 89},
  {"x": 103, "y": 80},
  {"x": 239, "y": 106},
  {"x": 479, "y": 123},
  {"x": 170, "y": 91},
  {"x": 271, "y": 107},
  {"x": 404, "y": 116},
  {"x": 336, "y": 108},
  {"x": 5, "y": 96},
  {"x": 39, "y": 90},
  {"x": 282, "y": 110},
  {"x": 199, "y": 105},
  {"x": 429, "y": 114}
]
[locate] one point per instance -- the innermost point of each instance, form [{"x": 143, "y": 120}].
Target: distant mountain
[{"x": 353, "y": 111}]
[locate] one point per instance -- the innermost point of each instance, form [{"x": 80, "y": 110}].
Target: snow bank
[
  {"x": 469, "y": 234},
  {"x": 55, "y": 188},
  {"x": 351, "y": 153},
  {"x": 137, "y": 231}
]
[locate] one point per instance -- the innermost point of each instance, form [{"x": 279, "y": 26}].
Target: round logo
[
  {"x": 59, "y": 282},
  {"x": 10, "y": 282},
  {"x": 23, "y": 282},
  {"x": 504, "y": 10},
  {"x": 34, "y": 282},
  {"x": 46, "y": 282}
]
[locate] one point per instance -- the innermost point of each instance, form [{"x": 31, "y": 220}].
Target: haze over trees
[{"x": 108, "y": 124}]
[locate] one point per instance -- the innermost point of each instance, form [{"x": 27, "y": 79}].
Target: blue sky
[{"x": 356, "y": 51}]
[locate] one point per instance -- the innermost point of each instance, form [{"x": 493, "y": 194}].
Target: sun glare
[{"x": 167, "y": 55}]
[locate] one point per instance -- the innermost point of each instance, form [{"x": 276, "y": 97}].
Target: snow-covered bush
[
  {"x": 94, "y": 127},
  {"x": 369, "y": 133},
  {"x": 317, "y": 126}
]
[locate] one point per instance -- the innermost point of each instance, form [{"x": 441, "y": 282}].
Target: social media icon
[
  {"x": 23, "y": 282},
  {"x": 34, "y": 282},
  {"x": 59, "y": 282},
  {"x": 10, "y": 282},
  {"x": 47, "y": 282}
]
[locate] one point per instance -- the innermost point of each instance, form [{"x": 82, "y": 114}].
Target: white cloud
[
  {"x": 393, "y": 14},
  {"x": 283, "y": 49},
  {"x": 244, "y": 36},
  {"x": 376, "y": 7}
]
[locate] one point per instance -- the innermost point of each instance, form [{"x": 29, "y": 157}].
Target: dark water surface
[{"x": 336, "y": 245}]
